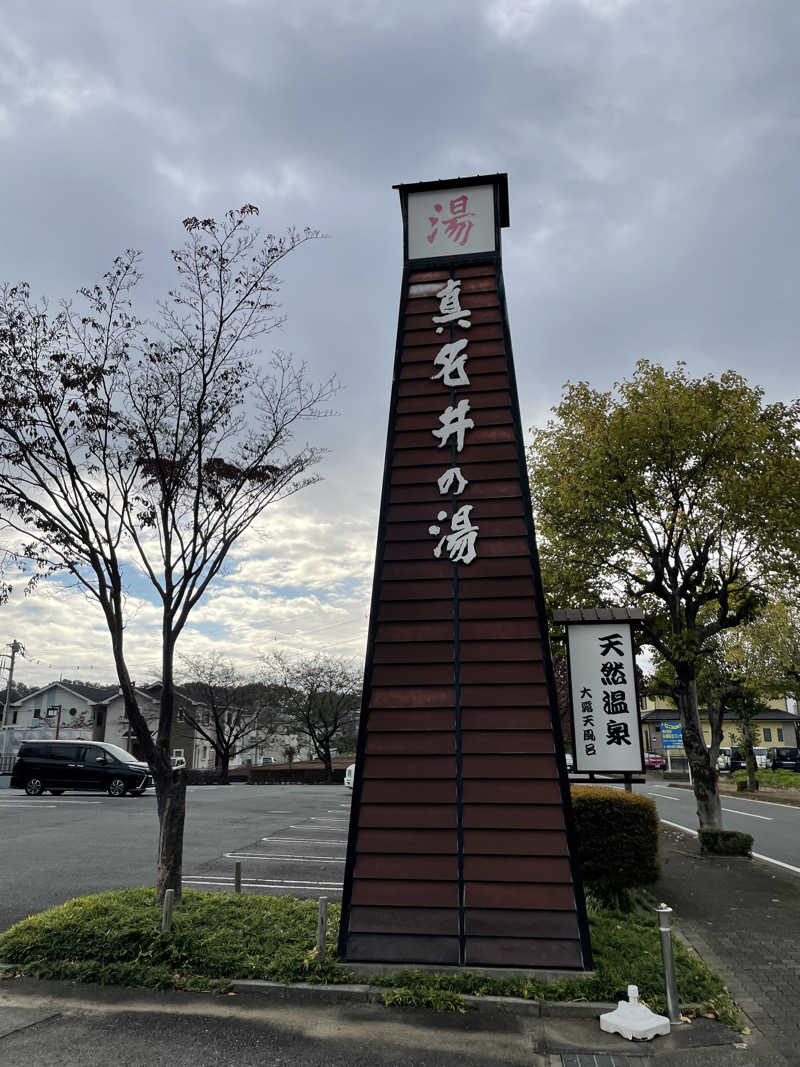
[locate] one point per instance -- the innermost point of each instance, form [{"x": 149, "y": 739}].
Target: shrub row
[
  {"x": 617, "y": 839},
  {"x": 726, "y": 843},
  {"x": 287, "y": 775}
]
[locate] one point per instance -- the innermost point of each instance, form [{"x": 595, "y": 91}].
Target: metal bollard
[
  {"x": 670, "y": 983},
  {"x": 237, "y": 877},
  {"x": 322, "y": 926},
  {"x": 166, "y": 912}
]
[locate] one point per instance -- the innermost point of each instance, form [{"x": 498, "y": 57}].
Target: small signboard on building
[
  {"x": 671, "y": 736},
  {"x": 605, "y": 706}
]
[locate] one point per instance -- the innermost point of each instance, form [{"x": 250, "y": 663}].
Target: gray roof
[
  {"x": 92, "y": 694},
  {"x": 668, "y": 714},
  {"x": 566, "y": 615}
]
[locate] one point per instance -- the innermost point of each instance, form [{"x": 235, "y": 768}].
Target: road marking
[
  {"x": 299, "y": 840},
  {"x": 264, "y": 884},
  {"x": 678, "y": 826},
  {"x": 666, "y": 796},
  {"x": 779, "y": 863},
  {"x": 304, "y": 826},
  {"x": 278, "y": 812},
  {"x": 744, "y": 800},
  {"x": 749, "y": 814},
  {"x": 756, "y": 855},
  {"x": 49, "y": 802},
  {"x": 330, "y": 829},
  {"x": 25, "y": 804},
  {"x": 280, "y": 856}
]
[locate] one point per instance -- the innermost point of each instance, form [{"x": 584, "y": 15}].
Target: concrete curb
[
  {"x": 309, "y": 993},
  {"x": 366, "y": 994}
]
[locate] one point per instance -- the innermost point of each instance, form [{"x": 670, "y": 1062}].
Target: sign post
[{"x": 460, "y": 848}]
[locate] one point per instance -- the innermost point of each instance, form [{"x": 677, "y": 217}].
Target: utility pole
[{"x": 15, "y": 647}]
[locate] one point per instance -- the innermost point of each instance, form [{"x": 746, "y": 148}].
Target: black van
[{"x": 60, "y": 765}]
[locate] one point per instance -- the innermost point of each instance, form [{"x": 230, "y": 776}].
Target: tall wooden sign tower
[{"x": 460, "y": 848}]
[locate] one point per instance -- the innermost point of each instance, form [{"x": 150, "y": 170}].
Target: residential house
[{"x": 97, "y": 713}]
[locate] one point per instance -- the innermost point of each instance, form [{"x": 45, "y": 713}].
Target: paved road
[
  {"x": 292, "y": 838},
  {"x": 775, "y": 827}
]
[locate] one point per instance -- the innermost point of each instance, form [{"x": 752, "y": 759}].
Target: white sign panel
[
  {"x": 605, "y": 715},
  {"x": 451, "y": 222}
]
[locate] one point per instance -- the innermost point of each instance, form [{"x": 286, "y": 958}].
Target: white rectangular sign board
[
  {"x": 451, "y": 222},
  {"x": 605, "y": 714}
]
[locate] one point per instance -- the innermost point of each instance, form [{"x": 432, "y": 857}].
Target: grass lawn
[
  {"x": 772, "y": 779},
  {"x": 115, "y": 938}
]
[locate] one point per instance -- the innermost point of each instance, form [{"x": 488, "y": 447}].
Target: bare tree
[
  {"x": 234, "y": 715},
  {"x": 317, "y": 697},
  {"x": 153, "y": 447}
]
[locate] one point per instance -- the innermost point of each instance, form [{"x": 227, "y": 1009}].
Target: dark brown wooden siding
[{"x": 459, "y": 849}]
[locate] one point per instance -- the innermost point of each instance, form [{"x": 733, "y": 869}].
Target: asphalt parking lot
[{"x": 289, "y": 839}]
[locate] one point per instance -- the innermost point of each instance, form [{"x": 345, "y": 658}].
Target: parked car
[
  {"x": 569, "y": 761},
  {"x": 654, "y": 761},
  {"x": 785, "y": 759},
  {"x": 61, "y": 765},
  {"x": 349, "y": 775},
  {"x": 266, "y": 761},
  {"x": 724, "y": 759},
  {"x": 178, "y": 762},
  {"x": 738, "y": 761}
]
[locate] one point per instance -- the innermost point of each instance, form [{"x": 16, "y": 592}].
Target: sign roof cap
[
  {"x": 499, "y": 179},
  {"x": 567, "y": 615}
]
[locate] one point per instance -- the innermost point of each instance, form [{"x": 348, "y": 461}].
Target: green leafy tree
[
  {"x": 152, "y": 447},
  {"x": 679, "y": 495}
]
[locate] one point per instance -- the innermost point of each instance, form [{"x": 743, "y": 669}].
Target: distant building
[
  {"x": 97, "y": 713},
  {"x": 776, "y": 727}
]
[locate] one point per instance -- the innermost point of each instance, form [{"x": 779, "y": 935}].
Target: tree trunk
[
  {"x": 171, "y": 797},
  {"x": 704, "y": 774},
  {"x": 170, "y": 785},
  {"x": 222, "y": 766},
  {"x": 749, "y": 754}
]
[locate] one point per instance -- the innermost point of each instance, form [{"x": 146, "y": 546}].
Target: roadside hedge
[
  {"x": 726, "y": 843},
  {"x": 617, "y": 840},
  {"x": 287, "y": 775}
]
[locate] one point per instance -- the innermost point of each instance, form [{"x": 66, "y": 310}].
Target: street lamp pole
[{"x": 15, "y": 648}]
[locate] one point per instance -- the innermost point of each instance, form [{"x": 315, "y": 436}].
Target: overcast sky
[{"x": 652, "y": 154}]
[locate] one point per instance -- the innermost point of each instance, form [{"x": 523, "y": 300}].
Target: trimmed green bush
[
  {"x": 617, "y": 839},
  {"x": 726, "y": 843}
]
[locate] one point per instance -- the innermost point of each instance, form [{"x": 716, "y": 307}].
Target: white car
[
  {"x": 178, "y": 762},
  {"x": 349, "y": 775},
  {"x": 570, "y": 761}
]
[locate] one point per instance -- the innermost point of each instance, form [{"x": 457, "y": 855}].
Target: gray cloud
[{"x": 652, "y": 152}]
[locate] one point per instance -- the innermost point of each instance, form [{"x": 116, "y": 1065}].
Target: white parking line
[
  {"x": 749, "y": 814},
  {"x": 666, "y": 796},
  {"x": 298, "y": 841},
  {"x": 277, "y": 812},
  {"x": 279, "y": 856},
  {"x": 49, "y": 802},
  {"x": 292, "y": 827},
  {"x": 264, "y": 885}
]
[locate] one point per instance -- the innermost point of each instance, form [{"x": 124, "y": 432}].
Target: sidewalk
[
  {"x": 43, "y": 1024},
  {"x": 743, "y": 917}
]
